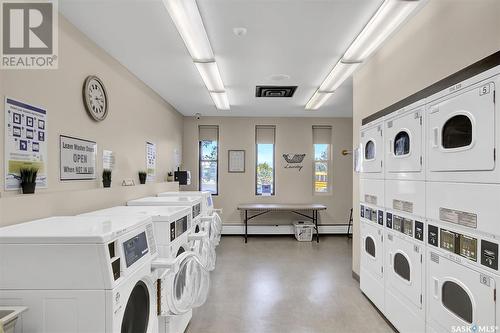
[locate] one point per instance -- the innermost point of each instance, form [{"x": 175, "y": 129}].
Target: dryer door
[
  {"x": 371, "y": 248},
  {"x": 372, "y": 146},
  {"x": 404, "y": 143},
  {"x": 461, "y": 131},
  {"x": 206, "y": 253},
  {"x": 458, "y": 295},
  {"x": 180, "y": 289},
  {"x": 405, "y": 267}
]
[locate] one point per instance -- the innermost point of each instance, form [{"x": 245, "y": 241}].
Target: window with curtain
[
  {"x": 209, "y": 158},
  {"x": 264, "y": 160},
  {"x": 322, "y": 138}
]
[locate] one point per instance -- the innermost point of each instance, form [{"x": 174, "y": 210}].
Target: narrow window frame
[
  {"x": 273, "y": 193},
  {"x": 201, "y": 161},
  {"x": 328, "y": 161}
]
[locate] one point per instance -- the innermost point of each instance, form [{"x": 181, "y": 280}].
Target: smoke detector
[{"x": 239, "y": 31}]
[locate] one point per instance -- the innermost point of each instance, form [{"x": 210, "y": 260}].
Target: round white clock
[{"x": 95, "y": 98}]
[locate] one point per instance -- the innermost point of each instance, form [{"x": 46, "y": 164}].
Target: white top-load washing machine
[
  {"x": 185, "y": 283},
  {"x": 209, "y": 215},
  {"x": 199, "y": 239},
  {"x": 81, "y": 274}
]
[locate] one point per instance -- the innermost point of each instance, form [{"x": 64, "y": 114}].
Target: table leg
[
  {"x": 246, "y": 225},
  {"x": 315, "y": 214}
]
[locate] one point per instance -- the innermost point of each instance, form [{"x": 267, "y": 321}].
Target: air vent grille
[{"x": 275, "y": 91}]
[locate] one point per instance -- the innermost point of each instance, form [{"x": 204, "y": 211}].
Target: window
[
  {"x": 402, "y": 266},
  {"x": 402, "y": 144},
  {"x": 370, "y": 246},
  {"x": 370, "y": 150},
  {"x": 209, "y": 158},
  {"x": 457, "y": 300},
  {"x": 457, "y": 132},
  {"x": 322, "y": 137},
  {"x": 264, "y": 161}
]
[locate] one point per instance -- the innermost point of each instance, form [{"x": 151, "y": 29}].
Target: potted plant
[
  {"x": 170, "y": 176},
  {"x": 143, "y": 175},
  {"x": 28, "y": 179},
  {"x": 106, "y": 178}
]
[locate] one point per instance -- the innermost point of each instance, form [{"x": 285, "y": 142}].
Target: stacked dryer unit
[
  {"x": 404, "y": 244},
  {"x": 441, "y": 190},
  {"x": 184, "y": 282},
  {"x": 371, "y": 191},
  {"x": 463, "y": 199}
]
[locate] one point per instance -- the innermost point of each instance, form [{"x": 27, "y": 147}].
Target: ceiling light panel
[
  {"x": 187, "y": 19},
  {"x": 317, "y": 100},
  {"x": 337, "y": 76},
  {"x": 210, "y": 74},
  {"x": 220, "y": 100},
  {"x": 390, "y": 15}
]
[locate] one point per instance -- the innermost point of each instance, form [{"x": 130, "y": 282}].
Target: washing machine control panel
[
  {"x": 457, "y": 243},
  {"x": 489, "y": 254},
  {"x": 178, "y": 227}
]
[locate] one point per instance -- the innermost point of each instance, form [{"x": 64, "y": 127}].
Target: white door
[
  {"x": 461, "y": 131},
  {"x": 180, "y": 287},
  {"x": 371, "y": 249},
  {"x": 404, "y": 268},
  {"x": 372, "y": 149},
  {"x": 403, "y": 138},
  {"x": 459, "y": 296}
]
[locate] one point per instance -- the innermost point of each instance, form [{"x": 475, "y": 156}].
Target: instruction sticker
[{"x": 458, "y": 217}]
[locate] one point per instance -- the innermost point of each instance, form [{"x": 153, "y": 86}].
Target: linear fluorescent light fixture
[
  {"x": 187, "y": 19},
  {"x": 209, "y": 72},
  {"x": 220, "y": 100},
  {"x": 390, "y": 15}
]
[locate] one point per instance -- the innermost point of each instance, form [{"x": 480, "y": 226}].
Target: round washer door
[
  {"x": 205, "y": 250},
  {"x": 136, "y": 315},
  {"x": 183, "y": 287}
]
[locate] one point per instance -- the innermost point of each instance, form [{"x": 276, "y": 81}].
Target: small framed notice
[{"x": 236, "y": 161}]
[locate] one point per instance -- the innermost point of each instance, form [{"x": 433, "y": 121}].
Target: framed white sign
[
  {"x": 151, "y": 161},
  {"x": 236, "y": 161},
  {"x": 78, "y": 158}
]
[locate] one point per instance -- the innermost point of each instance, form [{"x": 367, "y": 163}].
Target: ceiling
[{"x": 299, "y": 38}]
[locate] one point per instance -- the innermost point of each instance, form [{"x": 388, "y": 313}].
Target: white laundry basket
[{"x": 303, "y": 231}]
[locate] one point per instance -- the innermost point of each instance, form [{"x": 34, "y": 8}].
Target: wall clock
[{"x": 95, "y": 98}]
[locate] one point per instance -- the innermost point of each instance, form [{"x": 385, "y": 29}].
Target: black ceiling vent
[{"x": 275, "y": 91}]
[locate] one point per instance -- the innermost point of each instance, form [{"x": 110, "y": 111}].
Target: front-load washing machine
[
  {"x": 372, "y": 236},
  {"x": 81, "y": 274},
  {"x": 184, "y": 284},
  {"x": 463, "y": 123},
  {"x": 209, "y": 215},
  {"x": 372, "y": 150},
  {"x": 462, "y": 276},
  {"x": 404, "y": 269},
  {"x": 404, "y": 143},
  {"x": 199, "y": 238}
]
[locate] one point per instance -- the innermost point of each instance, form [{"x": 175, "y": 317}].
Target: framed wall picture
[{"x": 236, "y": 161}]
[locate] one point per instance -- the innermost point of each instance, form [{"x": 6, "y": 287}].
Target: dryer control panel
[
  {"x": 460, "y": 244},
  {"x": 409, "y": 227}
]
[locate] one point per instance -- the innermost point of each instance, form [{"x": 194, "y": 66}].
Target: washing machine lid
[
  {"x": 184, "y": 193},
  {"x": 72, "y": 229},
  {"x": 157, "y": 213},
  {"x": 165, "y": 201}
]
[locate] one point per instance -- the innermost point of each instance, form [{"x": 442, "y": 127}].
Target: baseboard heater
[{"x": 282, "y": 229}]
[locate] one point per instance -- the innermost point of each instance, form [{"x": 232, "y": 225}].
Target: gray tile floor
[{"x": 276, "y": 284}]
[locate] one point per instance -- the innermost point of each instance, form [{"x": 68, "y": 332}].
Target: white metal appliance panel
[
  {"x": 479, "y": 287},
  {"x": 405, "y": 196},
  {"x": 478, "y": 106},
  {"x": 371, "y": 191},
  {"x": 472, "y": 206},
  {"x": 410, "y": 289},
  {"x": 403, "y": 156},
  {"x": 372, "y": 263},
  {"x": 372, "y": 146}
]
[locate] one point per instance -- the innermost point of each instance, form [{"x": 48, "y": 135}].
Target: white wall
[
  {"x": 444, "y": 37},
  {"x": 136, "y": 114},
  {"x": 293, "y": 135}
]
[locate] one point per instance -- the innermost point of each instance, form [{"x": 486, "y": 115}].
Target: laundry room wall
[
  {"x": 136, "y": 115},
  {"x": 444, "y": 37},
  {"x": 293, "y": 135}
]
